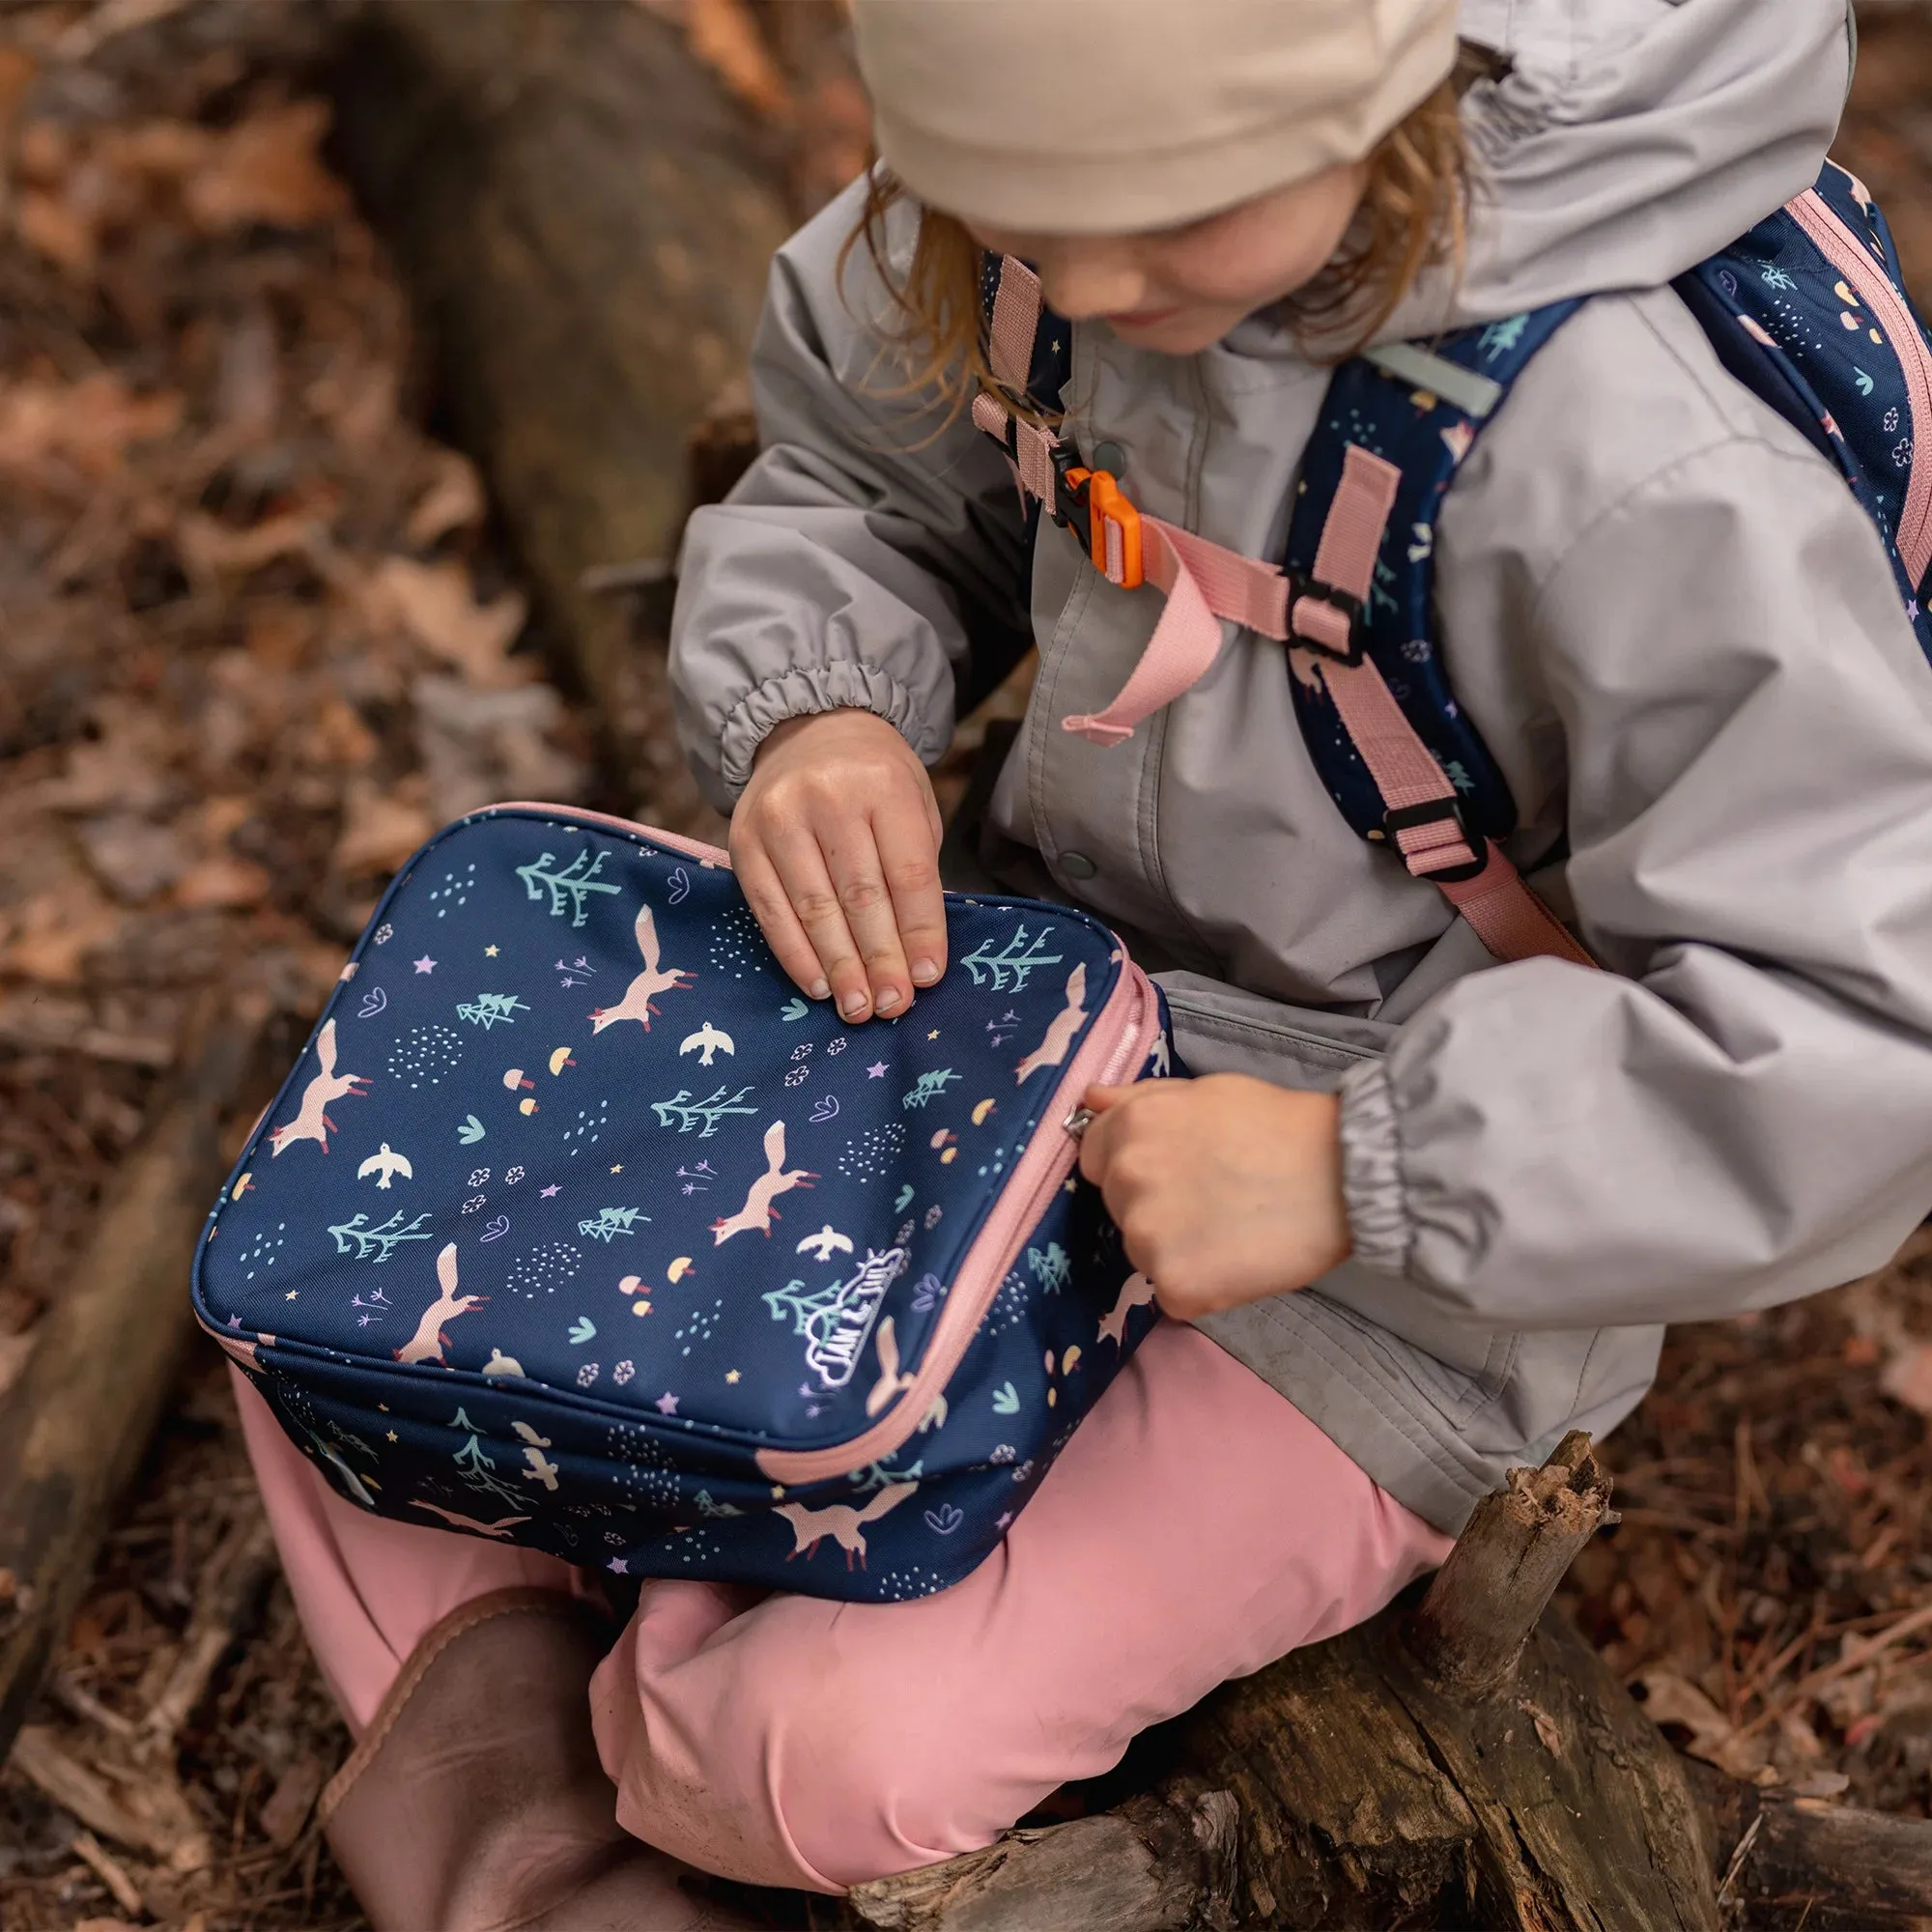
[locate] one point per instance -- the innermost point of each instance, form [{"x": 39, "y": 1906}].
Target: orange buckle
[{"x": 1111, "y": 511}]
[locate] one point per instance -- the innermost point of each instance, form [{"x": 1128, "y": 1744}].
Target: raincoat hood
[{"x": 1627, "y": 140}]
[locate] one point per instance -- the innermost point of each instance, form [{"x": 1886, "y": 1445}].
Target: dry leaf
[
  {"x": 109, "y": 772},
  {"x": 481, "y": 747},
  {"x": 51, "y": 226},
  {"x": 134, "y": 859},
  {"x": 155, "y": 151},
  {"x": 13, "y": 1352},
  {"x": 267, "y": 169},
  {"x": 289, "y": 1804},
  {"x": 54, "y": 932},
  {"x": 209, "y": 549},
  {"x": 224, "y": 882},
  {"x": 81, "y": 40},
  {"x": 1907, "y": 1377},
  {"x": 453, "y": 501},
  {"x": 726, "y": 36},
  {"x": 437, "y": 606},
  {"x": 379, "y": 830},
  {"x": 1673, "y": 1699},
  {"x": 357, "y": 403},
  {"x": 90, "y": 424},
  {"x": 336, "y": 735}
]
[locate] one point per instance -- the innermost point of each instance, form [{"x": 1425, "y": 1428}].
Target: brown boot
[{"x": 476, "y": 1801}]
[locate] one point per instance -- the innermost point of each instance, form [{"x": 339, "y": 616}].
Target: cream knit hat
[{"x": 1106, "y": 117}]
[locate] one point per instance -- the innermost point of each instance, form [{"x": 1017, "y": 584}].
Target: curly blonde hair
[{"x": 1413, "y": 216}]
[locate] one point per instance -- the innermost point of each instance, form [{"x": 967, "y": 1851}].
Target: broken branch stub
[{"x": 1469, "y": 1629}]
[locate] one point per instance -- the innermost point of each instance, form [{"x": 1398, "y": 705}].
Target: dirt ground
[{"x": 255, "y": 642}]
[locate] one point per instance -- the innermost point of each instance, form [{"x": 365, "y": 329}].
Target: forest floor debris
[{"x": 255, "y": 644}]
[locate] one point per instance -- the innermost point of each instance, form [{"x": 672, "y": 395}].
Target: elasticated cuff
[
  {"x": 1372, "y": 1187},
  {"x": 843, "y": 684}
]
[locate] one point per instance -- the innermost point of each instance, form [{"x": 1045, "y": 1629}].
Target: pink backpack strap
[
  {"x": 1424, "y": 815},
  {"x": 1206, "y": 583}
]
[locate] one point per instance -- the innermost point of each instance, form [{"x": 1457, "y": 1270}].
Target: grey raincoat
[{"x": 1678, "y": 636}]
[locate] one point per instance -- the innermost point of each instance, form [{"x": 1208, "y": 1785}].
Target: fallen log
[
  {"x": 1833, "y": 1867},
  {"x": 584, "y": 220},
  {"x": 73, "y": 1427}
]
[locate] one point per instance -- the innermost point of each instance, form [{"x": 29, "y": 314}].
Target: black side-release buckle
[
  {"x": 1435, "y": 811},
  {"x": 1300, "y": 586},
  {"x": 1070, "y": 506}
]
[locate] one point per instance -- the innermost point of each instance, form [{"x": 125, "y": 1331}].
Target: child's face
[{"x": 1180, "y": 289}]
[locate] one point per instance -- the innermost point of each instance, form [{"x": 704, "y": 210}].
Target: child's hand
[
  {"x": 836, "y": 842},
  {"x": 1226, "y": 1189}
]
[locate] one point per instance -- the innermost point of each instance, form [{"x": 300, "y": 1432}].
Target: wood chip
[
  {"x": 294, "y": 1797},
  {"x": 112, "y": 1873},
  {"x": 60, "y": 1775}
]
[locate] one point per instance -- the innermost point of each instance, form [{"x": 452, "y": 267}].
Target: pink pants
[{"x": 1197, "y": 1527}]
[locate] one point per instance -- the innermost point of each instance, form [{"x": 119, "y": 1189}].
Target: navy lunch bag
[{"x": 576, "y": 1226}]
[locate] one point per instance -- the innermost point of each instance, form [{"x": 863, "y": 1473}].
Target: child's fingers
[
  {"x": 800, "y": 864},
  {"x": 1097, "y": 1143},
  {"x": 765, "y": 894},
  {"x": 857, "y": 876},
  {"x": 909, "y": 857}
]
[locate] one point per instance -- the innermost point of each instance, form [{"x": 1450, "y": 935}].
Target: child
[{"x": 1416, "y": 1218}]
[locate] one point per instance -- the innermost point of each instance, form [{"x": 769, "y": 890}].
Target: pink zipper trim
[
  {"x": 692, "y": 848},
  {"x": 1846, "y": 253},
  {"x": 1121, "y": 1037}
]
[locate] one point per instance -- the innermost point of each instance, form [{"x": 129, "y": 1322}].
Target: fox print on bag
[{"x": 715, "y": 1294}]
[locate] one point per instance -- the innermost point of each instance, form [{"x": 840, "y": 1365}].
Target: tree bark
[
  {"x": 73, "y": 1427},
  {"x": 585, "y": 222}
]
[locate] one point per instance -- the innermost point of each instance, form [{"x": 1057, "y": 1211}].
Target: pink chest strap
[{"x": 1206, "y": 584}]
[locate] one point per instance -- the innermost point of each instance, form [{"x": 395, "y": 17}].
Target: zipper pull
[{"x": 1079, "y": 1121}]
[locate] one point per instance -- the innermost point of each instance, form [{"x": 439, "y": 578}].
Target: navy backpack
[
  {"x": 1808, "y": 310},
  {"x": 574, "y": 1226}
]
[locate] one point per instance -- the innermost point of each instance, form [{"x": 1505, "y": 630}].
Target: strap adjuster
[
  {"x": 1439, "y": 811},
  {"x": 1303, "y": 588}
]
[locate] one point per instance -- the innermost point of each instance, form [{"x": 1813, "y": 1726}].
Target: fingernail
[
  {"x": 819, "y": 990},
  {"x": 887, "y": 1000},
  {"x": 923, "y": 971},
  {"x": 852, "y": 1005}
]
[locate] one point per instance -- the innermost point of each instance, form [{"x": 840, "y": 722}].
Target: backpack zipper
[{"x": 1846, "y": 253}]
